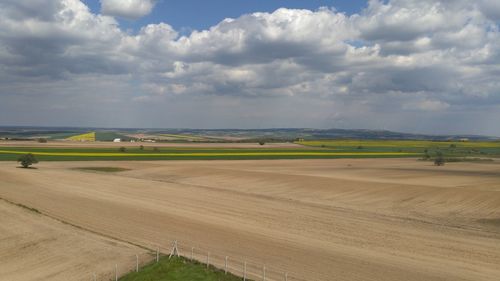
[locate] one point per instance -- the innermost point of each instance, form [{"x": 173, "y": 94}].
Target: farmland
[
  {"x": 420, "y": 146},
  {"x": 135, "y": 153},
  {"x": 370, "y": 208},
  {"x": 323, "y": 149},
  {"x": 355, "y": 219},
  {"x": 83, "y": 137}
]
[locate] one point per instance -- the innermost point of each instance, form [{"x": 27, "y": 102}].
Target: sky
[{"x": 419, "y": 66}]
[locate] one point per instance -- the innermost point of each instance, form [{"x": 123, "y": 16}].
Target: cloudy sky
[{"x": 419, "y": 66}]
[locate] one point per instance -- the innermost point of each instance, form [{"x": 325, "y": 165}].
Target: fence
[{"x": 247, "y": 269}]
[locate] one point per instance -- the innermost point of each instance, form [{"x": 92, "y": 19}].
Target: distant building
[{"x": 117, "y": 140}]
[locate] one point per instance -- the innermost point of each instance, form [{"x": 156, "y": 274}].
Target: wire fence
[{"x": 247, "y": 269}]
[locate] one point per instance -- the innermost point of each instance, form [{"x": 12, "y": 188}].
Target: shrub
[
  {"x": 262, "y": 142},
  {"x": 27, "y": 160},
  {"x": 439, "y": 161},
  {"x": 42, "y": 140},
  {"x": 122, "y": 149}
]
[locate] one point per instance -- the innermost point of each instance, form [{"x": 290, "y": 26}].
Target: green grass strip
[{"x": 178, "y": 269}]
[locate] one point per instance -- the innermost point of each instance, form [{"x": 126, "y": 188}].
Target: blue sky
[
  {"x": 185, "y": 15},
  {"x": 420, "y": 66}
]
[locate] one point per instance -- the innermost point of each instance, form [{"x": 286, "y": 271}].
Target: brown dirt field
[
  {"x": 35, "y": 247},
  {"x": 97, "y": 144},
  {"x": 339, "y": 219}
]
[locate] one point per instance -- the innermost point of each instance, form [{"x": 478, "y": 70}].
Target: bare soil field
[
  {"x": 35, "y": 247},
  {"x": 339, "y": 219},
  {"x": 97, "y": 144}
]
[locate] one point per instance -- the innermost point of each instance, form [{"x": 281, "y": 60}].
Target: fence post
[
  {"x": 175, "y": 250},
  {"x": 95, "y": 277},
  {"x": 192, "y": 253},
  {"x": 225, "y": 265},
  {"x": 286, "y": 276},
  {"x": 157, "y": 254},
  {"x": 208, "y": 259},
  {"x": 116, "y": 272},
  {"x": 244, "y": 271},
  {"x": 264, "y": 273},
  {"x": 136, "y": 263}
]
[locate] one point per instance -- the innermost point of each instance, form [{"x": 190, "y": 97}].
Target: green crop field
[
  {"x": 78, "y": 154},
  {"x": 178, "y": 269},
  {"x": 449, "y": 148},
  {"x": 322, "y": 149}
]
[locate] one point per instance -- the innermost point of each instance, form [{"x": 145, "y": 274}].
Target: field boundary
[{"x": 246, "y": 269}]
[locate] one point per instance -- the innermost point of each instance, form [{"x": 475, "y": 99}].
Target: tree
[
  {"x": 439, "y": 161},
  {"x": 426, "y": 156},
  {"x": 27, "y": 160},
  {"x": 262, "y": 142},
  {"x": 42, "y": 140},
  {"x": 122, "y": 149},
  {"x": 141, "y": 147}
]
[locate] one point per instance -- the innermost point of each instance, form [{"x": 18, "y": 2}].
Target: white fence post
[
  {"x": 175, "y": 250},
  {"x": 286, "y": 276},
  {"x": 264, "y": 273},
  {"x": 157, "y": 254},
  {"x": 225, "y": 265},
  {"x": 244, "y": 271},
  {"x": 116, "y": 272},
  {"x": 208, "y": 259},
  {"x": 95, "y": 277},
  {"x": 136, "y": 263},
  {"x": 192, "y": 253}
]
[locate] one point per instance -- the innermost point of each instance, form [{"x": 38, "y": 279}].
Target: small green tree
[
  {"x": 122, "y": 149},
  {"x": 141, "y": 147},
  {"x": 42, "y": 140},
  {"x": 27, "y": 160},
  {"x": 262, "y": 142},
  {"x": 439, "y": 160}
]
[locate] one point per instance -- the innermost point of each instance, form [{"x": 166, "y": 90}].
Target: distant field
[
  {"x": 309, "y": 150},
  {"x": 83, "y": 137},
  {"x": 94, "y": 136},
  {"x": 77, "y": 154},
  {"x": 449, "y": 148}
]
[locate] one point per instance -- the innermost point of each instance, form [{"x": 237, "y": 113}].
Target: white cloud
[
  {"x": 130, "y": 9},
  {"x": 379, "y": 68}
]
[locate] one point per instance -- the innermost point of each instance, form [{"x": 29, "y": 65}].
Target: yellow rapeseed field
[
  {"x": 83, "y": 137},
  {"x": 208, "y": 154}
]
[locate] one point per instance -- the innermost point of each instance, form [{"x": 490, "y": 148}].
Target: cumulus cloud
[
  {"x": 129, "y": 9},
  {"x": 381, "y": 68}
]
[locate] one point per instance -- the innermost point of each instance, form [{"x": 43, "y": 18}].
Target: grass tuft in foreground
[
  {"x": 103, "y": 169},
  {"x": 178, "y": 269}
]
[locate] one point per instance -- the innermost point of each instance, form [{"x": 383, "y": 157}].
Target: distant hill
[{"x": 276, "y": 134}]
